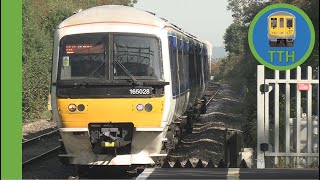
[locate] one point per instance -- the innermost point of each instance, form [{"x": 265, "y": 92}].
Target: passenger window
[
  {"x": 289, "y": 23},
  {"x": 273, "y": 22},
  {"x": 281, "y": 22}
]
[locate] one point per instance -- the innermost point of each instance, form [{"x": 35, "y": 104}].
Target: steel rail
[
  {"x": 29, "y": 141},
  {"x": 41, "y": 156},
  {"x": 214, "y": 94}
]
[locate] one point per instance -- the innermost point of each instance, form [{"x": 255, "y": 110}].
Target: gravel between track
[{"x": 207, "y": 139}]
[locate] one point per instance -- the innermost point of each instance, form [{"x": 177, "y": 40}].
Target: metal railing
[{"x": 299, "y": 134}]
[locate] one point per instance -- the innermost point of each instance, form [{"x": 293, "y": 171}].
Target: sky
[{"x": 206, "y": 19}]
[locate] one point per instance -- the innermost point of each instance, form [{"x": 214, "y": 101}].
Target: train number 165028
[{"x": 140, "y": 91}]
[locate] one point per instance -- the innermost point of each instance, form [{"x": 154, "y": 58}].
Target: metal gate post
[
  {"x": 260, "y": 117},
  {"x": 298, "y": 116},
  {"x": 287, "y": 116},
  {"x": 309, "y": 116},
  {"x": 276, "y": 115}
]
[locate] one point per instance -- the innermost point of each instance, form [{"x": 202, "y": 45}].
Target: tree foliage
[{"x": 39, "y": 20}]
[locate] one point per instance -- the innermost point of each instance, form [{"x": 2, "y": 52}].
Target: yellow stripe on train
[{"x": 110, "y": 110}]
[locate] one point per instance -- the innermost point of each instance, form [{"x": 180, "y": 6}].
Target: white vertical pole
[
  {"x": 298, "y": 114},
  {"x": 266, "y": 116},
  {"x": 260, "y": 117},
  {"x": 309, "y": 116},
  {"x": 287, "y": 114},
  {"x": 276, "y": 115}
]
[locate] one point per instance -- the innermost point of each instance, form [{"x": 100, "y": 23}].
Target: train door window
[
  {"x": 205, "y": 64},
  {"x": 281, "y": 22},
  {"x": 83, "y": 56},
  {"x": 173, "y": 64},
  {"x": 192, "y": 65},
  {"x": 273, "y": 22},
  {"x": 289, "y": 22},
  {"x": 186, "y": 63},
  {"x": 181, "y": 66}
]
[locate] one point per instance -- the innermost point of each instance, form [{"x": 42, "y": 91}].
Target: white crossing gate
[{"x": 287, "y": 122}]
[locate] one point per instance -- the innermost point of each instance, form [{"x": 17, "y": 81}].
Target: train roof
[
  {"x": 119, "y": 14},
  {"x": 114, "y": 14},
  {"x": 281, "y": 13}
]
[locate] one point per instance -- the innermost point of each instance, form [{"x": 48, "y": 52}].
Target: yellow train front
[
  {"x": 124, "y": 85},
  {"x": 281, "y": 29}
]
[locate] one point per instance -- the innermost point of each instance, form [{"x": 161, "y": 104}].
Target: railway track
[
  {"x": 42, "y": 136},
  {"x": 53, "y": 151},
  {"x": 39, "y": 148},
  {"x": 210, "y": 87}
]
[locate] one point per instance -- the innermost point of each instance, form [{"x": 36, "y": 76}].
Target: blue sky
[{"x": 206, "y": 19}]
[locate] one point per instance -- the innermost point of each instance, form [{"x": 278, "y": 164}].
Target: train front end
[
  {"x": 281, "y": 29},
  {"x": 108, "y": 87}
]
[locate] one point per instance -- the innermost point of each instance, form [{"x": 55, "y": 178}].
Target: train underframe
[
  {"x": 115, "y": 144},
  {"x": 281, "y": 42}
]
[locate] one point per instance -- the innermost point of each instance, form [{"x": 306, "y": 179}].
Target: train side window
[
  {"x": 281, "y": 22},
  {"x": 289, "y": 22},
  {"x": 273, "y": 22}
]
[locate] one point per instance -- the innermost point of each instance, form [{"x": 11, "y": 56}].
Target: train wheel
[
  {"x": 190, "y": 123},
  {"x": 204, "y": 106},
  {"x": 290, "y": 44},
  {"x": 272, "y": 44}
]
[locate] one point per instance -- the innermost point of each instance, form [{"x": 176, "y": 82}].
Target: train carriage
[
  {"x": 281, "y": 29},
  {"x": 125, "y": 84}
]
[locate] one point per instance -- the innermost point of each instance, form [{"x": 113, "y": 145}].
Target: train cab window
[
  {"x": 140, "y": 55},
  {"x": 281, "y": 22},
  {"x": 83, "y": 56},
  {"x": 273, "y": 22},
  {"x": 290, "y": 23}
]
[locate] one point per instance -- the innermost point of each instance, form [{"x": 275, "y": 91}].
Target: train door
[
  {"x": 282, "y": 25},
  {"x": 181, "y": 81},
  {"x": 192, "y": 73},
  {"x": 186, "y": 71},
  {"x": 174, "y": 74},
  {"x": 202, "y": 71},
  {"x": 198, "y": 69}
]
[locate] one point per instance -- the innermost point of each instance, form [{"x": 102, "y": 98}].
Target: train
[
  {"x": 126, "y": 85},
  {"x": 281, "y": 29}
]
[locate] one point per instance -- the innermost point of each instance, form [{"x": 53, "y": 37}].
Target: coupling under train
[{"x": 125, "y": 85}]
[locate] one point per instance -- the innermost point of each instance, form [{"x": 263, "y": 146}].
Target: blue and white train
[{"x": 125, "y": 85}]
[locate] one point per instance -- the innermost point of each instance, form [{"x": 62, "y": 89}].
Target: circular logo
[{"x": 281, "y": 36}]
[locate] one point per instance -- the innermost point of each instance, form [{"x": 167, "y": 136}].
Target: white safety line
[
  {"x": 233, "y": 173},
  {"x": 145, "y": 174}
]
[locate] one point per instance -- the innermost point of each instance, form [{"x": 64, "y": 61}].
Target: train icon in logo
[{"x": 281, "y": 29}]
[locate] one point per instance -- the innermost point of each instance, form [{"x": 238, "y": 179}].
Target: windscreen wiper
[
  {"x": 134, "y": 80},
  {"x": 92, "y": 73}
]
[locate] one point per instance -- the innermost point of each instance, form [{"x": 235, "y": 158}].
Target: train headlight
[
  {"x": 72, "y": 107},
  {"x": 148, "y": 107},
  {"x": 139, "y": 107},
  {"x": 81, "y": 107}
]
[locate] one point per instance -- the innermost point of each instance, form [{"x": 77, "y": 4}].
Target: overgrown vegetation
[
  {"x": 39, "y": 20},
  {"x": 239, "y": 67}
]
